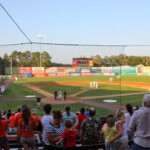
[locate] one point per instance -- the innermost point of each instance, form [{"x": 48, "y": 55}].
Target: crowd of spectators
[{"x": 126, "y": 129}]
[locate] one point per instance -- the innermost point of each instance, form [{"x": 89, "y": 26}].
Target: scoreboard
[{"x": 82, "y": 62}]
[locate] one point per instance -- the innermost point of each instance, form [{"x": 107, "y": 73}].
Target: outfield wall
[{"x": 79, "y": 71}]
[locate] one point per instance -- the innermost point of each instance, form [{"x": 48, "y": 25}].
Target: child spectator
[
  {"x": 69, "y": 135},
  {"x": 121, "y": 138},
  {"x": 3, "y": 128},
  {"x": 109, "y": 132},
  {"x": 26, "y": 125}
]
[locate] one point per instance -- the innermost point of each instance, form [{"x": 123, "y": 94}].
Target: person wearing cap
[
  {"x": 140, "y": 124},
  {"x": 68, "y": 115}
]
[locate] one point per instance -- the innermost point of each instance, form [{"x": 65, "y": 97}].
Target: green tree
[
  {"x": 97, "y": 61},
  {"x": 46, "y": 59}
]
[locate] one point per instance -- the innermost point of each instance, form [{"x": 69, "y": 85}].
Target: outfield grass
[
  {"x": 19, "y": 91},
  {"x": 133, "y": 100},
  {"x": 109, "y": 90},
  {"x": 74, "y": 107},
  {"x": 145, "y": 79}
]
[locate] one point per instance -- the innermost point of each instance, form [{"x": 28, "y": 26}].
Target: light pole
[{"x": 40, "y": 36}]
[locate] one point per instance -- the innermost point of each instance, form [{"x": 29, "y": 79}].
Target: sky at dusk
[{"x": 102, "y": 22}]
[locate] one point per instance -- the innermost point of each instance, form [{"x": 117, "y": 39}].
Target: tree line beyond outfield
[{"x": 31, "y": 59}]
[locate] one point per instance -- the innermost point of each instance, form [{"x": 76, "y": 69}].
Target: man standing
[
  {"x": 45, "y": 120},
  {"x": 68, "y": 115},
  {"x": 140, "y": 124},
  {"x": 90, "y": 129},
  {"x": 55, "y": 95},
  {"x": 65, "y": 95}
]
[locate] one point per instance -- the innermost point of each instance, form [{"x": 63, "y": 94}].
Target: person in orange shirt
[
  {"x": 18, "y": 116},
  {"x": 26, "y": 126},
  {"x": 12, "y": 122},
  {"x": 3, "y": 138}
]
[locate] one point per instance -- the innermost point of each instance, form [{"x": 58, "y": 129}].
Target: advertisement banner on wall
[
  {"x": 38, "y": 75},
  {"x": 50, "y": 74},
  {"x": 146, "y": 70},
  {"x": 51, "y": 70},
  {"x": 86, "y": 74},
  {"x": 38, "y": 70},
  {"x": 98, "y": 74},
  {"x": 70, "y": 70},
  {"x": 85, "y": 70},
  {"x": 74, "y": 74},
  {"x": 60, "y": 74},
  {"x": 25, "y": 69}
]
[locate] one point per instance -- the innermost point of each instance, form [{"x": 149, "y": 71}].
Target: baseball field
[{"x": 127, "y": 89}]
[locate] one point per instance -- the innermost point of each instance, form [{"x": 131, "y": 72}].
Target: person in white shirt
[
  {"x": 140, "y": 124},
  {"x": 45, "y": 120}
]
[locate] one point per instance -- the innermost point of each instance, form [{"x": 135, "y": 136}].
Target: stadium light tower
[{"x": 40, "y": 36}]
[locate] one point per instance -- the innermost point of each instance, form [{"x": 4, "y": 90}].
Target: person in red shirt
[
  {"x": 81, "y": 117},
  {"x": 3, "y": 138},
  {"x": 12, "y": 122},
  {"x": 69, "y": 135},
  {"x": 26, "y": 126},
  {"x": 35, "y": 118}
]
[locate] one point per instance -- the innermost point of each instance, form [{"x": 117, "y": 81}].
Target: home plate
[
  {"x": 110, "y": 101},
  {"x": 30, "y": 96}
]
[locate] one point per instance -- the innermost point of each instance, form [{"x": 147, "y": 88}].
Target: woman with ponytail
[
  {"x": 3, "y": 128},
  {"x": 26, "y": 126},
  {"x": 128, "y": 115}
]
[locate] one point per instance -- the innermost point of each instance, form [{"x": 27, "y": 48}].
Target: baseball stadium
[{"x": 103, "y": 77}]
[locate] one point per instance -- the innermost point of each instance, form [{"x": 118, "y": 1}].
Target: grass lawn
[
  {"x": 74, "y": 107},
  {"x": 110, "y": 89},
  {"x": 145, "y": 79},
  {"x": 134, "y": 100},
  {"x": 19, "y": 91},
  {"x": 69, "y": 89}
]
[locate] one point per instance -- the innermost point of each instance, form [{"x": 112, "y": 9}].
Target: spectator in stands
[
  {"x": 121, "y": 138},
  {"x": 108, "y": 116},
  {"x": 35, "y": 118},
  {"x": 140, "y": 124},
  {"x": 5, "y": 115},
  {"x": 86, "y": 111},
  {"x": 68, "y": 115},
  {"x": 26, "y": 126},
  {"x": 3, "y": 128},
  {"x": 18, "y": 116},
  {"x": 81, "y": 117},
  {"x": 9, "y": 113},
  {"x": 128, "y": 115},
  {"x": 69, "y": 135},
  {"x": 12, "y": 122},
  {"x": 45, "y": 120},
  {"x": 18, "y": 111},
  {"x": 109, "y": 132},
  {"x": 90, "y": 129},
  {"x": 54, "y": 132}
]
